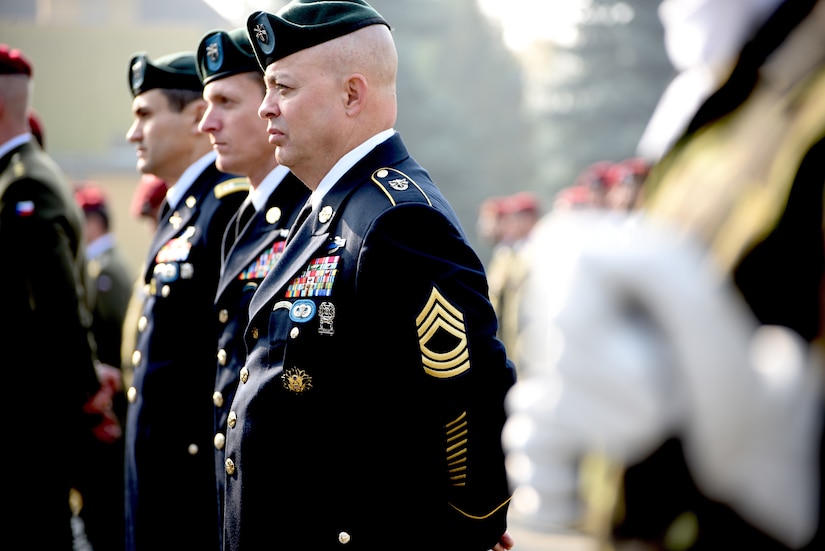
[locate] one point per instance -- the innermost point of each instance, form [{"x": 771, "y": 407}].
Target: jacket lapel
[{"x": 313, "y": 234}]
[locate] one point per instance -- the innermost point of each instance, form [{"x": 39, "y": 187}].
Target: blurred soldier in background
[
  {"x": 680, "y": 352},
  {"x": 47, "y": 345},
  {"x": 109, "y": 285},
  {"x": 517, "y": 214}
]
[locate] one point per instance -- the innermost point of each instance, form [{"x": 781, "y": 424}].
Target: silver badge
[
  {"x": 212, "y": 51},
  {"x": 326, "y": 315},
  {"x": 399, "y": 184},
  {"x": 261, "y": 34}
]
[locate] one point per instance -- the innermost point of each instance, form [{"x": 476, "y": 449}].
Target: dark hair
[{"x": 178, "y": 99}]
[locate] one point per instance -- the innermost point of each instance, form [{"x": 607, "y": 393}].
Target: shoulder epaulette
[
  {"x": 232, "y": 185},
  {"x": 397, "y": 186}
]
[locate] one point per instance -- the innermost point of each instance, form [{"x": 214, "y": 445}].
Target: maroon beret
[
  {"x": 37, "y": 128},
  {"x": 523, "y": 201},
  {"x": 89, "y": 196},
  {"x": 13, "y": 62},
  {"x": 148, "y": 196}
]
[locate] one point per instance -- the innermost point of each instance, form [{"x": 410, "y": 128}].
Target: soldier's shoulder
[{"x": 399, "y": 187}]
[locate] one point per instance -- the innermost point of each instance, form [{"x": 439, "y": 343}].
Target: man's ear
[
  {"x": 198, "y": 108},
  {"x": 356, "y": 94}
]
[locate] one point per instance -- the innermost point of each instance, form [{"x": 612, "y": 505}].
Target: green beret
[
  {"x": 302, "y": 24},
  {"x": 222, "y": 54},
  {"x": 172, "y": 72}
]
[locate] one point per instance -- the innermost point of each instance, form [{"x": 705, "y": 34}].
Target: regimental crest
[
  {"x": 261, "y": 34},
  {"x": 442, "y": 338},
  {"x": 138, "y": 72},
  {"x": 296, "y": 380},
  {"x": 214, "y": 53},
  {"x": 273, "y": 215},
  {"x": 325, "y": 214},
  {"x": 264, "y": 36},
  {"x": 399, "y": 184}
]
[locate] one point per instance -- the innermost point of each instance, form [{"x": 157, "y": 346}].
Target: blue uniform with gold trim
[
  {"x": 170, "y": 474},
  {"x": 371, "y": 405},
  {"x": 247, "y": 261}
]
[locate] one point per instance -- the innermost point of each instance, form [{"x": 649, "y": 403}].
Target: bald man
[{"x": 370, "y": 406}]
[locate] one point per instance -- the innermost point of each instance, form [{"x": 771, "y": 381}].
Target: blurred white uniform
[
  {"x": 702, "y": 40},
  {"x": 632, "y": 336}
]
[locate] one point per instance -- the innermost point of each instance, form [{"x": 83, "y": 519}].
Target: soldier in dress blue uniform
[
  {"x": 170, "y": 474},
  {"x": 370, "y": 407},
  {"x": 48, "y": 356},
  {"x": 254, "y": 239}
]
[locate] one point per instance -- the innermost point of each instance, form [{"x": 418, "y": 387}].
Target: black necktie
[
  {"x": 302, "y": 216},
  {"x": 242, "y": 218},
  {"x": 246, "y": 214},
  {"x": 164, "y": 209}
]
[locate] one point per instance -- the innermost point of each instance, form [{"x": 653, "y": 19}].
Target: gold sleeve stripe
[
  {"x": 461, "y": 460},
  {"x": 461, "y": 434},
  {"x": 454, "y": 427},
  {"x": 456, "y": 440},
  {"x": 460, "y": 444},
  {"x": 482, "y": 517},
  {"x": 460, "y": 456},
  {"x": 457, "y": 419}
]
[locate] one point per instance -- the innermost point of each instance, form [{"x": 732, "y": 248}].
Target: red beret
[
  {"x": 523, "y": 201},
  {"x": 148, "y": 196},
  {"x": 13, "y": 62},
  {"x": 90, "y": 197},
  {"x": 37, "y": 128},
  {"x": 491, "y": 205},
  {"x": 574, "y": 196},
  {"x": 595, "y": 175}
]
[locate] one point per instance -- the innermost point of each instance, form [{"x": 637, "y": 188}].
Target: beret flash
[
  {"x": 176, "y": 71},
  {"x": 302, "y": 24},
  {"x": 222, "y": 54}
]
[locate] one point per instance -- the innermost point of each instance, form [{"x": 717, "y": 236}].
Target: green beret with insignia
[
  {"x": 222, "y": 54},
  {"x": 302, "y": 24},
  {"x": 176, "y": 71}
]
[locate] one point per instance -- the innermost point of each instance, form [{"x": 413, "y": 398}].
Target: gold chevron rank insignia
[{"x": 442, "y": 338}]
